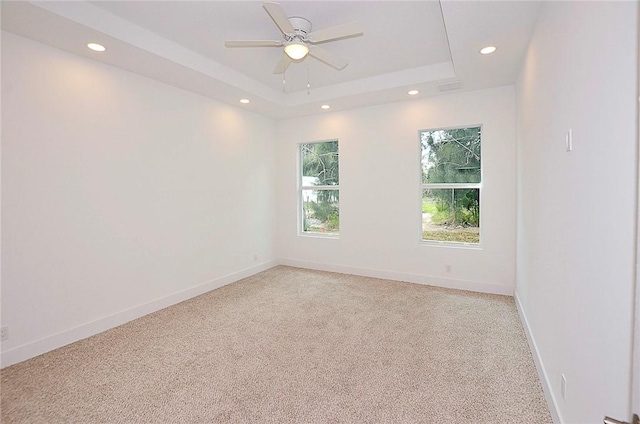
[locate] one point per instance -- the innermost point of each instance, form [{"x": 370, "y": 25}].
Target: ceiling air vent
[{"x": 453, "y": 85}]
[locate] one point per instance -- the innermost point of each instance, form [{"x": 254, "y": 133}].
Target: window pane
[
  {"x": 451, "y": 215},
  {"x": 320, "y": 213},
  {"x": 320, "y": 163},
  {"x": 451, "y": 156}
]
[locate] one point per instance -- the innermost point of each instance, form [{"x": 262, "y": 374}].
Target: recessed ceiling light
[
  {"x": 245, "y": 101},
  {"x": 96, "y": 47},
  {"x": 488, "y": 49},
  {"x": 413, "y": 92},
  {"x": 325, "y": 106}
]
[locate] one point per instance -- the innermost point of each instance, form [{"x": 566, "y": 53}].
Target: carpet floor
[{"x": 293, "y": 345}]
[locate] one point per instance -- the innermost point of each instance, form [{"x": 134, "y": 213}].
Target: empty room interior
[{"x": 319, "y": 211}]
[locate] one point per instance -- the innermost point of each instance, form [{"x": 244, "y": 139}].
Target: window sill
[
  {"x": 319, "y": 235},
  {"x": 452, "y": 244}
]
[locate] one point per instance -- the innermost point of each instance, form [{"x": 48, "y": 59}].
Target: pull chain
[{"x": 308, "y": 85}]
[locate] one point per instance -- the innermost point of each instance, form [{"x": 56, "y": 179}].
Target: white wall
[
  {"x": 380, "y": 197},
  {"x": 576, "y": 210},
  {"x": 121, "y": 195}
]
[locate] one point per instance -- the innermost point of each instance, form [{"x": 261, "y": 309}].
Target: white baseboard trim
[
  {"x": 542, "y": 374},
  {"x": 399, "y": 276},
  {"x": 46, "y": 344}
]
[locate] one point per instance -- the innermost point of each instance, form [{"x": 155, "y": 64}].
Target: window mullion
[
  {"x": 450, "y": 185},
  {"x": 333, "y": 187}
]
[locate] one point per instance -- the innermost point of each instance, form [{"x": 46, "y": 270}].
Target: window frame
[
  {"x": 427, "y": 186},
  {"x": 301, "y": 188}
]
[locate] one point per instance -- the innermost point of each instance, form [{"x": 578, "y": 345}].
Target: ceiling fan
[{"x": 298, "y": 40}]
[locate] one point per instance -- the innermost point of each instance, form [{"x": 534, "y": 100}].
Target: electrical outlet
[
  {"x": 255, "y": 258},
  {"x": 4, "y": 332},
  {"x": 447, "y": 268},
  {"x": 563, "y": 387}
]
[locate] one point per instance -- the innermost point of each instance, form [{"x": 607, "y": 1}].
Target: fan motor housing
[{"x": 301, "y": 25}]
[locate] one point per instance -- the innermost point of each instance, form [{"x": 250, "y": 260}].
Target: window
[
  {"x": 451, "y": 183},
  {"x": 320, "y": 187}
]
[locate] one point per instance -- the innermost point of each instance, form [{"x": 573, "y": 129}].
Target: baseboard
[
  {"x": 46, "y": 344},
  {"x": 398, "y": 276},
  {"x": 542, "y": 374}
]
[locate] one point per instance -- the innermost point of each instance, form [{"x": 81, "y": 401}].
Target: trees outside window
[
  {"x": 320, "y": 187},
  {"x": 451, "y": 184}
]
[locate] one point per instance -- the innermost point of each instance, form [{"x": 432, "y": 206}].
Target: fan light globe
[{"x": 296, "y": 50}]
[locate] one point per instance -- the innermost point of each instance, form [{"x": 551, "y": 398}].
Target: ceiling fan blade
[
  {"x": 279, "y": 17},
  {"x": 283, "y": 65},
  {"x": 253, "y": 43},
  {"x": 350, "y": 29},
  {"x": 328, "y": 57}
]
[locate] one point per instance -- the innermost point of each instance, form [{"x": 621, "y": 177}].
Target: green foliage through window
[
  {"x": 451, "y": 177},
  {"x": 320, "y": 163},
  {"x": 320, "y": 187},
  {"x": 451, "y": 156}
]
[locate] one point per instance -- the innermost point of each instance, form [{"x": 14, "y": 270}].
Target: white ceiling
[{"x": 406, "y": 45}]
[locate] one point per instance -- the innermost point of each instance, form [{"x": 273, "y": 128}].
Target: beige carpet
[{"x": 293, "y": 345}]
